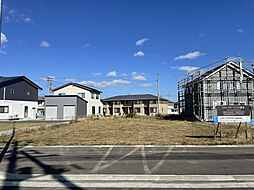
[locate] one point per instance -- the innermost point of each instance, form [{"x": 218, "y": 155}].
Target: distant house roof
[
  {"x": 77, "y": 85},
  {"x": 216, "y": 69},
  {"x": 5, "y": 81},
  {"x": 133, "y": 97},
  {"x": 41, "y": 98}
]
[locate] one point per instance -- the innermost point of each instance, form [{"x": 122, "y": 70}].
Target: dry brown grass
[{"x": 131, "y": 131}]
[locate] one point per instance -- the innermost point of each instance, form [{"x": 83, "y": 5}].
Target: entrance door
[
  {"x": 69, "y": 112},
  {"x": 26, "y": 112},
  {"x": 93, "y": 110}
]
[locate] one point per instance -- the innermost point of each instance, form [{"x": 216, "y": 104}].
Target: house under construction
[{"x": 229, "y": 83}]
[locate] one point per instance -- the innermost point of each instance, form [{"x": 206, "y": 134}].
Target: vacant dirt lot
[{"x": 131, "y": 131}]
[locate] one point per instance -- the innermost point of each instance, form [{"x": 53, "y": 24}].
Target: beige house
[
  {"x": 91, "y": 95},
  {"x": 140, "y": 104}
]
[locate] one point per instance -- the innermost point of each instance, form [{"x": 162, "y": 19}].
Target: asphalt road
[{"x": 128, "y": 166}]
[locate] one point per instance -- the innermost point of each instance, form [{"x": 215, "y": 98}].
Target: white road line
[
  {"x": 159, "y": 164},
  {"x": 56, "y": 184},
  {"x": 115, "y": 161},
  {"x": 144, "y": 160},
  {"x": 125, "y": 177},
  {"x": 96, "y": 168}
]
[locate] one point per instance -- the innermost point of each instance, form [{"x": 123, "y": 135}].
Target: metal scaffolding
[{"x": 197, "y": 97}]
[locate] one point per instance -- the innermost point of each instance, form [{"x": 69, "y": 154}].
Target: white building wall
[
  {"x": 17, "y": 109},
  {"x": 73, "y": 90}
]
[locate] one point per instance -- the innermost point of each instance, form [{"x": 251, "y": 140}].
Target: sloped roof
[
  {"x": 77, "y": 85},
  {"x": 133, "y": 97},
  {"x": 208, "y": 73},
  {"x": 5, "y": 81}
]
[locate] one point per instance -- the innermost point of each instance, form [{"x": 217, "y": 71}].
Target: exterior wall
[
  {"x": 73, "y": 90},
  {"x": 171, "y": 109},
  {"x": 81, "y": 108},
  {"x": 131, "y": 108},
  {"x": 17, "y": 108},
  {"x": 20, "y": 92},
  {"x": 60, "y": 102},
  {"x": 212, "y": 94}
]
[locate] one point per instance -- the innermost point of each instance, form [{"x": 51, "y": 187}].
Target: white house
[
  {"x": 91, "y": 95},
  {"x": 18, "y": 98}
]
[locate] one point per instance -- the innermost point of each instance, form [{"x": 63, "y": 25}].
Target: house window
[
  {"x": 12, "y": 91},
  {"x": 242, "y": 103},
  {"x": 97, "y": 96},
  {"x": 153, "y": 110},
  {"x": 4, "y": 109},
  {"x": 27, "y": 92},
  {"x": 81, "y": 95},
  {"x": 221, "y": 85},
  {"x": 137, "y": 110},
  {"x": 152, "y": 101},
  {"x": 234, "y": 85},
  {"x": 99, "y": 110},
  {"x": 117, "y": 110},
  {"x": 93, "y": 95},
  {"x": 61, "y": 94}
]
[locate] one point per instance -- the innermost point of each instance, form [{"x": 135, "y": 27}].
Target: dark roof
[
  {"x": 64, "y": 96},
  {"x": 77, "y": 85},
  {"x": 5, "y": 81},
  {"x": 133, "y": 97}
]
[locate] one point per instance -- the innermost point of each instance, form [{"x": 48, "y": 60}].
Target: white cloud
[
  {"x": 96, "y": 74},
  {"x": 145, "y": 85},
  {"x": 12, "y": 12},
  {"x": 104, "y": 84},
  {"x": 3, "y": 38},
  {"x": 185, "y": 68},
  {"x": 190, "y": 55},
  {"x": 124, "y": 75},
  {"x": 139, "y": 53},
  {"x": 136, "y": 76},
  {"x": 45, "y": 44},
  {"x": 240, "y": 30},
  {"x": 140, "y": 42},
  {"x": 3, "y": 41},
  {"x": 86, "y": 45},
  {"x": 111, "y": 74},
  {"x": 2, "y": 51},
  {"x": 70, "y": 80},
  {"x": 27, "y": 19}
]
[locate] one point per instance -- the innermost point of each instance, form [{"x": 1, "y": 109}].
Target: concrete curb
[{"x": 8, "y": 132}]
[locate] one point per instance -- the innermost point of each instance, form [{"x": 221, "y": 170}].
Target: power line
[{"x": 50, "y": 80}]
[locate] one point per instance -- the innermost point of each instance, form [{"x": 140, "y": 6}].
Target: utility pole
[
  {"x": 50, "y": 80},
  {"x": 158, "y": 88},
  {"x": 1, "y": 10},
  {"x": 168, "y": 97}
]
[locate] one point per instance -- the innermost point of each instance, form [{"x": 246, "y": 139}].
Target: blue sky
[{"x": 118, "y": 46}]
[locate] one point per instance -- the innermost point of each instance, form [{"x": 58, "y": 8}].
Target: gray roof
[
  {"x": 5, "y": 81},
  {"x": 77, "y": 85},
  {"x": 133, "y": 97},
  {"x": 64, "y": 96},
  {"x": 41, "y": 98}
]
